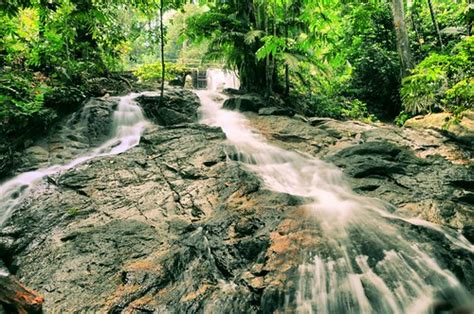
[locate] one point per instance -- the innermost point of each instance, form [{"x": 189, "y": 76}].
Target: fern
[
  {"x": 252, "y": 36},
  {"x": 420, "y": 91}
]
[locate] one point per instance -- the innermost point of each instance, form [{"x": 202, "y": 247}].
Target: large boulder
[
  {"x": 64, "y": 100},
  {"x": 113, "y": 85},
  {"x": 69, "y": 136},
  {"x": 6, "y": 161},
  {"x": 461, "y": 130},
  {"x": 94, "y": 120},
  {"x": 72, "y": 136},
  {"x": 179, "y": 106},
  {"x": 169, "y": 226},
  {"x": 248, "y": 102},
  {"x": 276, "y": 111},
  {"x": 233, "y": 91}
]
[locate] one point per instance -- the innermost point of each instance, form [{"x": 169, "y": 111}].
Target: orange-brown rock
[{"x": 15, "y": 297}]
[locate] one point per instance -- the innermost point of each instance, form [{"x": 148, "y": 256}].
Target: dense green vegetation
[
  {"x": 340, "y": 55},
  {"x": 441, "y": 79},
  {"x": 52, "y": 51},
  {"x": 361, "y": 59}
]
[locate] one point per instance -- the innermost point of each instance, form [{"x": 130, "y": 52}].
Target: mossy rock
[{"x": 461, "y": 129}]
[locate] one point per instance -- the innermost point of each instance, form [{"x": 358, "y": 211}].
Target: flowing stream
[
  {"x": 128, "y": 125},
  {"x": 364, "y": 264}
]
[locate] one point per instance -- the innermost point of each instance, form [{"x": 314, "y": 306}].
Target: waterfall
[
  {"x": 217, "y": 79},
  {"x": 128, "y": 125},
  {"x": 345, "y": 277}
]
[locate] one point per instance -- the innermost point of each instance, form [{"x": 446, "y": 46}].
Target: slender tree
[
  {"x": 287, "y": 35},
  {"x": 43, "y": 14},
  {"x": 287, "y": 67},
  {"x": 403, "y": 45},
  {"x": 162, "y": 47},
  {"x": 435, "y": 24},
  {"x": 470, "y": 16},
  {"x": 268, "y": 71},
  {"x": 273, "y": 74},
  {"x": 412, "y": 8}
]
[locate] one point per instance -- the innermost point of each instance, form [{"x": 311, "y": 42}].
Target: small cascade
[
  {"x": 365, "y": 263},
  {"x": 128, "y": 125},
  {"x": 218, "y": 80}
]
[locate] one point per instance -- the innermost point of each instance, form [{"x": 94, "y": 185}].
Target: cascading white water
[
  {"x": 218, "y": 79},
  {"x": 365, "y": 264},
  {"x": 128, "y": 125}
]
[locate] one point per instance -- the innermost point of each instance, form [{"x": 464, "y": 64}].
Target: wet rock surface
[
  {"x": 168, "y": 225},
  {"x": 74, "y": 136},
  {"x": 114, "y": 84},
  {"x": 175, "y": 225},
  {"x": 6, "y": 160},
  {"x": 60, "y": 102},
  {"x": 244, "y": 103},
  {"x": 422, "y": 172},
  {"x": 179, "y": 106},
  {"x": 459, "y": 129},
  {"x": 275, "y": 111}
]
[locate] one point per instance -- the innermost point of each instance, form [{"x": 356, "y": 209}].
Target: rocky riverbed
[{"x": 176, "y": 225}]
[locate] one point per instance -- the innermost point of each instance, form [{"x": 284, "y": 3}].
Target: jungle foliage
[
  {"x": 442, "y": 81},
  {"x": 50, "y": 49},
  {"x": 343, "y": 59},
  {"x": 334, "y": 54},
  {"x": 151, "y": 72}
]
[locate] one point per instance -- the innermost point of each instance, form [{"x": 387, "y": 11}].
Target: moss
[{"x": 73, "y": 211}]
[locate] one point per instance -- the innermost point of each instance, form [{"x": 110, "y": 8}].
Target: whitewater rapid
[
  {"x": 126, "y": 129},
  {"x": 367, "y": 265}
]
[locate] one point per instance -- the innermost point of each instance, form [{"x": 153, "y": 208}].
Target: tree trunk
[
  {"x": 287, "y": 68},
  {"x": 273, "y": 77},
  {"x": 413, "y": 18},
  {"x": 250, "y": 73},
  {"x": 267, "y": 58},
  {"x": 162, "y": 45},
  {"x": 470, "y": 17},
  {"x": 435, "y": 24},
  {"x": 42, "y": 20},
  {"x": 403, "y": 46}
]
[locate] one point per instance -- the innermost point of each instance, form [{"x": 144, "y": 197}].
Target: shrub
[
  {"x": 421, "y": 90},
  {"x": 441, "y": 81},
  {"x": 322, "y": 106},
  {"x": 73, "y": 211},
  {"x": 461, "y": 94},
  {"x": 402, "y": 118},
  {"x": 337, "y": 108},
  {"x": 152, "y": 72},
  {"x": 356, "y": 109},
  {"x": 22, "y": 108}
]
